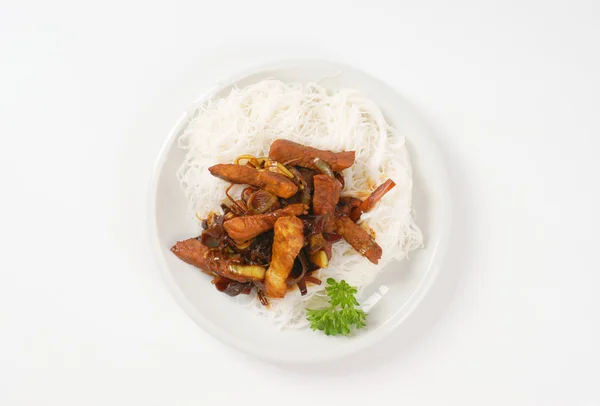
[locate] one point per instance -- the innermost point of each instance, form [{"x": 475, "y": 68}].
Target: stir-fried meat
[
  {"x": 346, "y": 205},
  {"x": 195, "y": 253},
  {"x": 191, "y": 251},
  {"x": 288, "y": 241},
  {"x": 272, "y": 182},
  {"x": 247, "y": 227},
  {"x": 326, "y": 195},
  {"x": 300, "y": 155},
  {"x": 289, "y": 216},
  {"x": 373, "y": 198},
  {"x": 325, "y": 199},
  {"x": 358, "y": 238}
]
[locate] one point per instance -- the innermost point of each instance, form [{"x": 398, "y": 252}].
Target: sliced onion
[
  {"x": 262, "y": 201},
  {"x": 302, "y": 286},
  {"x": 253, "y": 272},
  {"x": 246, "y": 193},
  {"x": 251, "y": 161},
  {"x": 294, "y": 277},
  {"x": 323, "y": 167},
  {"x": 284, "y": 170},
  {"x": 340, "y": 179},
  {"x": 298, "y": 178},
  {"x": 239, "y": 158},
  {"x": 236, "y": 208},
  {"x": 278, "y": 167},
  {"x": 263, "y": 299},
  {"x": 302, "y": 185},
  {"x": 312, "y": 279}
]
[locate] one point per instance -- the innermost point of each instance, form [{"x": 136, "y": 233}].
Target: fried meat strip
[
  {"x": 287, "y": 243},
  {"x": 373, "y": 198},
  {"x": 272, "y": 182},
  {"x": 247, "y": 227},
  {"x": 208, "y": 260},
  {"x": 358, "y": 238},
  {"x": 296, "y": 154},
  {"x": 326, "y": 194},
  {"x": 346, "y": 205},
  {"x": 192, "y": 251}
]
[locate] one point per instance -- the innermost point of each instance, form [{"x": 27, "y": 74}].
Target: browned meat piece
[
  {"x": 373, "y": 198},
  {"x": 325, "y": 198},
  {"x": 358, "y": 238},
  {"x": 272, "y": 182},
  {"x": 346, "y": 205},
  {"x": 326, "y": 195},
  {"x": 329, "y": 224},
  {"x": 287, "y": 243},
  {"x": 209, "y": 260},
  {"x": 247, "y": 227},
  {"x": 192, "y": 251},
  {"x": 300, "y": 155}
]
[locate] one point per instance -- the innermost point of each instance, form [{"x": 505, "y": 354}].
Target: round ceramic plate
[{"x": 407, "y": 281}]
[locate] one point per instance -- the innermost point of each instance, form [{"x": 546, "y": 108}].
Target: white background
[{"x": 89, "y": 91}]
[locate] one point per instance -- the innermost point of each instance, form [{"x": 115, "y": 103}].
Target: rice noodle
[{"x": 248, "y": 120}]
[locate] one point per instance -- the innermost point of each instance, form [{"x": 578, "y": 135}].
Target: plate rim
[{"x": 439, "y": 246}]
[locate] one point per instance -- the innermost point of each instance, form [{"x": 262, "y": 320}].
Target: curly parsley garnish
[{"x": 341, "y": 313}]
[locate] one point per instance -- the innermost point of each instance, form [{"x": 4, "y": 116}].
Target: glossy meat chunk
[
  {"x": 195, "y": 253},
  {"x": 247, "y": 227},
  {"x": 346, "y": 205},
  {"x": 326, "y": 194},
  {"x": 296, "y": 154},
  {"x": 272, "y": 182},
  {"x": 191, "y": 251},
  {"x": 287, "y": 243},
  {"x": 358, "y": 238},
  {"x": 373, "y": 198}
]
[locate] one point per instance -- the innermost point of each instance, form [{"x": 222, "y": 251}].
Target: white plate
[{"x": 408, "y": 281}]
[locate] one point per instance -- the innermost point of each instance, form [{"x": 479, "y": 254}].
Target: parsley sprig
[{"x": 341, "y": 313}]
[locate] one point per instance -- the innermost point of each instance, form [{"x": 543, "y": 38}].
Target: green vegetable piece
[{"x": 341, "y": 315}]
